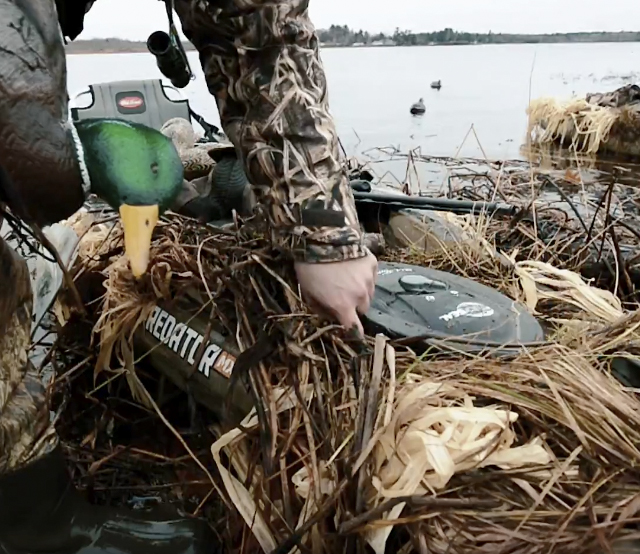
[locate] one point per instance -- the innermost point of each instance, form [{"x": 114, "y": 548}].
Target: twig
[
  {"x": 171, "y": 428},
  {"x": 435, "y": 504}
]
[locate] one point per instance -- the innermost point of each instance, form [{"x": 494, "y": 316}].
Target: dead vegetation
[{"x": 354, "y": 446}]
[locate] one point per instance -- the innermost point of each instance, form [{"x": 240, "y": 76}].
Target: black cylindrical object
[
  {"x": 435, "y": 204},
  {"x": 170, "y": 58}
]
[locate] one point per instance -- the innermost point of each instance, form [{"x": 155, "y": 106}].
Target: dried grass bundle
[
  {"x": 351, "y": 445},
  {"x": 569, "y": 483},
  {"x": 583, "y": 125}
]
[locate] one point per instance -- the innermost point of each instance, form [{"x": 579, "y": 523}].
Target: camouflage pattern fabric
[
  {"x": 195, "y": 157},
  {"x": 262, "y": 65},
  {"x": 628, "y": 95},
  {"x": 28, "y": 33},
  {"x": 25, "y": 428}
]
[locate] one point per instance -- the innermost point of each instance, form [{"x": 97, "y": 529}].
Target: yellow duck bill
[{"x": 138, "y": 223}]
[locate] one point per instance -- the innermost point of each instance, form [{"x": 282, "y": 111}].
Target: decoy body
[{"x": 418, "y": 108}]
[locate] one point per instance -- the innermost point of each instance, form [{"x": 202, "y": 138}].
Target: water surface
[{"x": 371, "y": 89}]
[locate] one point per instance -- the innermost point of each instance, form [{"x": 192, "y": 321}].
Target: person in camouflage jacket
[{"x": 262, "y": 64}]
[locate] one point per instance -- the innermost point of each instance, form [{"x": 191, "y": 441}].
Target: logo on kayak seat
[
  {"x": 130, "y": 103},
  {"x": 382, "y": 272}
]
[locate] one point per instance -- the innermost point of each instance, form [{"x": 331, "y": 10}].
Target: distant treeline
[{"x": 341, "y": 35}]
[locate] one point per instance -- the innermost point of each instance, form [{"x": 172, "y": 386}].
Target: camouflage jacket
[{"x": 261, "y": 62}]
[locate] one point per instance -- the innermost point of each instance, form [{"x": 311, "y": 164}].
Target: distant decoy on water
[
  {"x": 418, "y": 108},
  {"x": 436, "y": 85}
]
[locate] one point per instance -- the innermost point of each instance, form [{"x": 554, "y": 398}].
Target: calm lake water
[{"x": 371, "y": 90}]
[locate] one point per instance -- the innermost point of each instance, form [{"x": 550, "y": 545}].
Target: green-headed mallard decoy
[
  {"x": 53, "y": 164},
  {"x": 137, "y": 171}
]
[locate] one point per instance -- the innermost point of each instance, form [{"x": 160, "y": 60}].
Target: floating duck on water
[
  {"x": 436, "y": 85},
  {"x": 418, "y": 108}
]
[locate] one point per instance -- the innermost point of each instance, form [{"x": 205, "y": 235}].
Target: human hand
[{"x": 339, "y": 289}]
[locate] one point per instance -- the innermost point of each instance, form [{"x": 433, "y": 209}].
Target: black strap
[
  {"x": 210, "y": 131},
  {"x": 169, "y": 5},
  {"x": 318, "y": 216}
]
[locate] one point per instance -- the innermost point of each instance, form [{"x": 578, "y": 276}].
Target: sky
[{"x": 136, "y": 19}]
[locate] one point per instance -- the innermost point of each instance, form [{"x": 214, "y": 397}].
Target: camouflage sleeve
[
  {"x": 25, "y": 430},
  {"x": 261, "y": 62}
]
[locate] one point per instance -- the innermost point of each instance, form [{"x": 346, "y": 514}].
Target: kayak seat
[{"x": 144, "y": 102}]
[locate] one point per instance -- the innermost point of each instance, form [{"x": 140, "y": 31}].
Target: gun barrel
[{"x": 436, "y": 204}]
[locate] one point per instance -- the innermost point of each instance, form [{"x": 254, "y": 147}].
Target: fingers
[
  {"x": 318, "y": 308},
  {"x": 371, "y": 283},
  {"x": 374, "y": 267},
  {"x": 349, "y": 319},
  {"x": 364, "y": 302},
  {"x": 374, "y": 275},
  {"x": 371, "y": 289},
  {"x": 346, "y": 314},
  {"x": 340, "y": 291},
  {"x": 359, "y": 328}
]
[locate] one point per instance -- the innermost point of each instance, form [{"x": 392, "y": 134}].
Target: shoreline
[{"x": 79, "y": 50}]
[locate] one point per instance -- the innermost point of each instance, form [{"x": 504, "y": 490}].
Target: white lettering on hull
[{"x": 185, "y": 342}]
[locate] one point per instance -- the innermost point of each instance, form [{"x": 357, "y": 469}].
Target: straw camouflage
[
  {"x": 261, "y": 63},
  {"x": 25, "y": 429}
]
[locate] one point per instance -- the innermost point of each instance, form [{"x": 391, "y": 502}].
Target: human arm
[{"x": 261, "y": 62}]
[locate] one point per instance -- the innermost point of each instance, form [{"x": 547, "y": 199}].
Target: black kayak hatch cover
[{"x": 413, "y": 301}]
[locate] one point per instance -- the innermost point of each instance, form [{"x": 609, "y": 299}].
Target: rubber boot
[{"x": 41, "y": 511}]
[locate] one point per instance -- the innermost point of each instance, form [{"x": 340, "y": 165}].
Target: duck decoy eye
[{"x": 154, "y": 168}]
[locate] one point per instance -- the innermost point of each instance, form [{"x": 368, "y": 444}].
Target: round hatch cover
[{"x": 414, "y": 301}]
